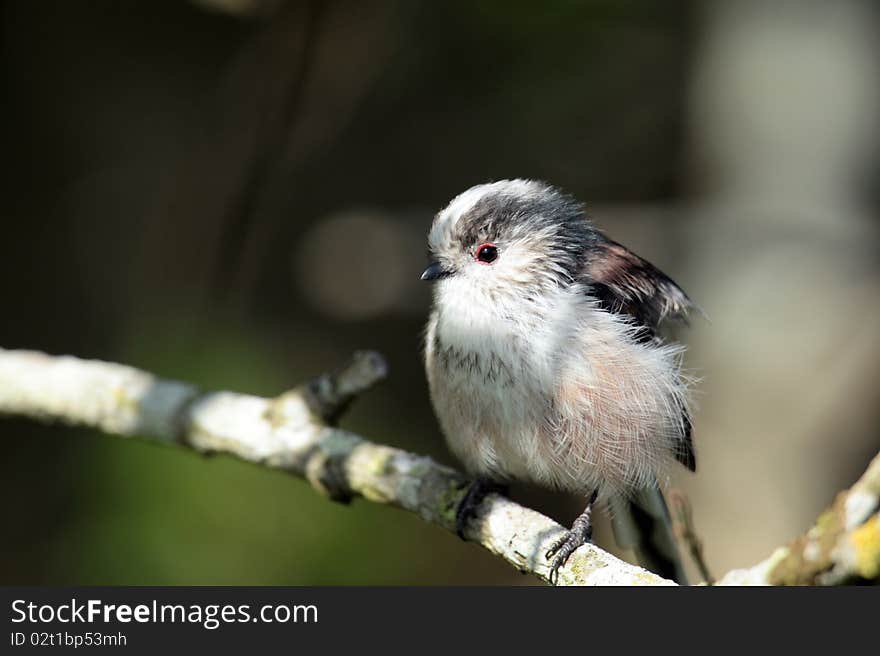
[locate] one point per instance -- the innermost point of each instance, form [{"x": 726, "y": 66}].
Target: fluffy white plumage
[
  {"x": 557, "y": 393},
  {"x": 544, "y": 363},
  {"x": 532, "y": 380}
]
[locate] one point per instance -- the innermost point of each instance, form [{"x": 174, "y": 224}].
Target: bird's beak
[{"x": 434, "y": 271}]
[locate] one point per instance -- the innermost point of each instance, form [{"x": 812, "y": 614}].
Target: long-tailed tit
[{"x": 545, "y": 364}]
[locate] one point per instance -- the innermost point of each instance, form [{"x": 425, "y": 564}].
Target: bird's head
[{"x": 516, "y": 236}]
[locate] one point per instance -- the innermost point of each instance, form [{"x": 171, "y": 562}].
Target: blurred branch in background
[
  {"x": 683, "y": 525},
  {"x": 294, "y": 433},
  {"x": 292, "y": 84},
  {"x": 275, "y": 125}
]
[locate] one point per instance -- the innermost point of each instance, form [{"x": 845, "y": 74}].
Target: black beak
[{"x": 434, "y": 271}]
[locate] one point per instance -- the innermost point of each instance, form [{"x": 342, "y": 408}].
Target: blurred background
[{"x": 236, "y": 193}]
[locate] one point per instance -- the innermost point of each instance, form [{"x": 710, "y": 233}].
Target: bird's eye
[{"x": 486, "y": 253}]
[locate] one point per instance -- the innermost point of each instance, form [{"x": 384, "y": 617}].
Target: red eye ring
[{"x": 486, "y": 253}]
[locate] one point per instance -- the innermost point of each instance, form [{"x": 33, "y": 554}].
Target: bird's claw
[
  {"x": 467, "y": 508},
  {"x": 581, "y": 533},
  {"x": 560, "y": 551}
]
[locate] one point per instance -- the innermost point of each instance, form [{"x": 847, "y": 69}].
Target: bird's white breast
[
  {"x": 490, "y": 367},
  {"x": 550, "y": 390}
]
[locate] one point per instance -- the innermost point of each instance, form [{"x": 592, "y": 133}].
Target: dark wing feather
[
  {"x": 685, "y": 453},
  {"x": 624, "y": 283}
]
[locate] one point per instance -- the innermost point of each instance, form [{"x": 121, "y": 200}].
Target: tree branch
[
  {"x": 294, "y": 433},
  {"x": 842, "y": 547}
]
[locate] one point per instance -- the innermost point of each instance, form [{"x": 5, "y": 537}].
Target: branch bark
[{"x": 296, "y": 433}]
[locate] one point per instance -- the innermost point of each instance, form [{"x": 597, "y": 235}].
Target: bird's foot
[
  {"x": 580, "y": 534},
  {"x": 467, "y": 508}
]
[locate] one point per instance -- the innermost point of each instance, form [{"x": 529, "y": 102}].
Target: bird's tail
[{"x": 642, "y": 523}]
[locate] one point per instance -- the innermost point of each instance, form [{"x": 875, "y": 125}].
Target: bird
[{"x": 545, "y": 364}]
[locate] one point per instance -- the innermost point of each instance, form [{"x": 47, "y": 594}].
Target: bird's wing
[{"x": 624, "y": 283}]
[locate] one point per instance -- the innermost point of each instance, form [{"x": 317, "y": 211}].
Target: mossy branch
[
  {"x": 296, "y": 433},
  {"x": 842, "y": 547}
]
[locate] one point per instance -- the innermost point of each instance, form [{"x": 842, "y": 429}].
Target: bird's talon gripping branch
[
  {"x": 562, "y": 549},
  {"x": 467, "y": 508},
  {"x": 581, "y": 533}
]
